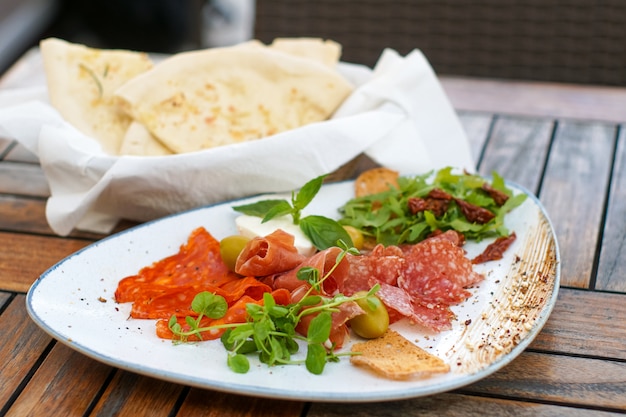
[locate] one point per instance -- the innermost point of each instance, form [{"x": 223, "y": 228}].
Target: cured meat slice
[
  {"x": 452, "y": 235},
  {"x": 382, "y": 264},
  {"x": 438, "y": 271},
  {"x": 198, "y": 262},
  {"x": 324, "y": 261},
  {"x": 168, "y": 286},
  {"x": 269, "y": 255},
  {"x": 400, "y": 304}
]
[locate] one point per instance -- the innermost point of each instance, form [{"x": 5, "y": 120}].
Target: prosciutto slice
[
  {"x": 272, "y": 254},
  {"x": 324, "y": 261}
]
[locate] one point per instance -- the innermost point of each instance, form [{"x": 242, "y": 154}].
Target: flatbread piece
[
  {"x": 81, "y": 85},
  {"x": 220, "y": 96}
]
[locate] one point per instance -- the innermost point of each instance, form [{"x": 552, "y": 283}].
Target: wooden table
[{"x": 565, "y": 143}]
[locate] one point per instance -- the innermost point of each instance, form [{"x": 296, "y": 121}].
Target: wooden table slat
[
  {"x": 23, "y": 214},
  {"x": 559, "y": 379},
  {"x": 62, "y": 368},
  {"x": 517, "y": 150},
  {"x": 476, "y": 127},
  {"x": 204, "y": 403},
  {"x": 586, "y": 323},
  {"x": 130, "y": 394},
  {"x": 22, "y": 345},
  {"x": 23, "y": 179},
  {"x": 452, "y": 405},
  {"x": 612, "y": 263},
  {"x": 23, "y": 258},
  {"x": 574, "y": 191}
]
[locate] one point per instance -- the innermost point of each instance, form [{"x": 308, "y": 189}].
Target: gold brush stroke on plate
[{"x": 516, "y": 305}]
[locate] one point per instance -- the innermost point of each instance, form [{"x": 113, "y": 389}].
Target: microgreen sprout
[{"x": 270, "y": 329}]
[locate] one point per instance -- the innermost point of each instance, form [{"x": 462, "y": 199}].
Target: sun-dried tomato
[
  {"x": 498, "y": 196},
  {"x": 436, "y": 206},
  {"x": 474, "y": 213},
  {"x": 495, "y": 250}
]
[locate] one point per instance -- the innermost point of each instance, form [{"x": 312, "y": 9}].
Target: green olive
[
  {"x": 375, "y": 321},
  {"x": 355, "y": 235},
  {"x": 230, "y": 248}
]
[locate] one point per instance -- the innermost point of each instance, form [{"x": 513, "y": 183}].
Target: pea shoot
[{"x": 270, "y": 330}]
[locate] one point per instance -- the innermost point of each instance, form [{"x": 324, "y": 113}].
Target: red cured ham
[
  {"x": 272, "y": 254},
  {"x": 323, "y": 261}
]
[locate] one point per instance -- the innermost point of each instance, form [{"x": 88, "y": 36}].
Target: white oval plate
[{"x": 73, "y": 302}]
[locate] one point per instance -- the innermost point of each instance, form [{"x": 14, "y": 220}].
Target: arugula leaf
[{"x": 386, "y": 216}]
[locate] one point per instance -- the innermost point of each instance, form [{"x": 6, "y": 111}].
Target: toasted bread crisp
[
  {"x": 394, "y": 357},
  {"x": 375, "y": 181}
]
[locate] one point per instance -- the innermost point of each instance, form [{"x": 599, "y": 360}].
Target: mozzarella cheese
[{"x": 251, "y": 227}]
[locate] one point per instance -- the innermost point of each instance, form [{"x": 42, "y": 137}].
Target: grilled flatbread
[
  {"x": 203, "y": 99},
  {"x": 81, "y": 85}
]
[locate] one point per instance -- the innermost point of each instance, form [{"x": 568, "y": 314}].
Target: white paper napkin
[{"x": 398, "y": 115}]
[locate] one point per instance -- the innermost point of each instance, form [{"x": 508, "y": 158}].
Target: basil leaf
[
  {"x": 260, "y": 208},
  {"x": 280, "y": 209},
  {"x": 307, "y": 192},
  {"x": 324, "y": 232}
]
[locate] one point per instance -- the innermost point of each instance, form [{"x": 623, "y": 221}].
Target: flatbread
[
  {"x": 139, "y": 141},
  {"x": 220, "y": 96},
  {"x": 395, "y": 357},
  {"x": 81, "y": 85},
  {"x": 325, "y": 51}
]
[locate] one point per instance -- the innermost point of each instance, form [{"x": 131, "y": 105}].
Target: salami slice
[
  {"x": 438, "y": 270},
  {"x": 400, "y": 304},
  {"x": 198, "y": 262},
  {"x": 382, "y": 264}
]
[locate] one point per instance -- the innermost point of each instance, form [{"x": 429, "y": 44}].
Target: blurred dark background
[
  {"x": 571, "y": 41},
  {"x": 166, "y": 26}
]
